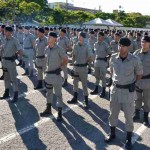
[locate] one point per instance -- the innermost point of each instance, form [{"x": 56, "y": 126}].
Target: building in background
[{"x": 70, "y": 6}]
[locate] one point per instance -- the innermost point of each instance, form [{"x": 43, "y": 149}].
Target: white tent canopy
[
  {"x": 98, "y": 21},
  {"x": 114, "y": 23}
]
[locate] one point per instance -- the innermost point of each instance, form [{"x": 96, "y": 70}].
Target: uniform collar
[
  {"x": 128, "y": 57},
  {"x": 147, "y": 51}
]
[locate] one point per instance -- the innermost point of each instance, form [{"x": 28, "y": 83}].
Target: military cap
[
  {"x": 124, "y": 41},
  {"x": 117, "y": 34},
  {"x": 101, "y": 33},
  {"x": 82, "y": 34},
  {"x": 27, "y": 27},
  {"x": 46, "y": 28},
  {"x": 53, "y": 34},
  {"x": 41, "y": 30},
  {"x": 146, "y": 38},
  {"x": 63, "y": 30},
  {"x": 3, "y": 26},
  {"x": 78, "y": 30},
  {"x": 20, "y": 28},
  {"x": 51, "y": 29},
  {"x": 92, "y": 32},
  {"x": 10, "y": 29}
]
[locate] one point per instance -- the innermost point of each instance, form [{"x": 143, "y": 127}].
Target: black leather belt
[
  {"x": 105, "y": 59},
  {"x": 10, "y": 58},
  {"x": 28, "y": 47},
  {"x": 43, "y": 56},
  {"x": 130, "y": 87},
  {"x": 57, "y": 71},
  {"x": 80, "y": 65}
]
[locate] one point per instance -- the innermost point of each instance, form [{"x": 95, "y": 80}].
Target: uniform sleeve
[
  {"x": 62, "y": 53},
  {"x": 68, "y": 42},
  {"x": 32, "y": 38},
  {"x": 90, "y": 53},
  {"x": 135, "y": 46},
  {"x": 108, "y": 49},
  {"x": 17, "y": 44},
  {"x": 138, "y": 66},
  {"x": 74, "y": 49}
]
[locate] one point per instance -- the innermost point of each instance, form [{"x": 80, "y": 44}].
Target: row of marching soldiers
[{"x": 127, "y": 54}]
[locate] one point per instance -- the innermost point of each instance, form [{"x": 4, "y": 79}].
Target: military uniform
[
  {"x": 28, "y": 50},
  {"x": 53, "y": 79},
  {"x": 81, "y": 54},
  {"x": 64, "y": 43},
  {"x": 40, "y": 45},
  {"x": 102, "y": 50},
  {"x": 143, "y": 85},
  {"x": 114, "y": 46},
  {"x": 9, "y": 49},
  {"x": 114, "y": 43},
  {"x": 20, "y": 37},
  {"x": 2, "y": 38},
  {"x": 91, "y": 41},
  {"x": 122, "y": 92}
]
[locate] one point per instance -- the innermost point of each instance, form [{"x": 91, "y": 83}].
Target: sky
[{"x": 141, "y": 6}]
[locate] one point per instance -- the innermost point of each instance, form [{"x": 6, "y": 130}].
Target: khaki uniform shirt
[
  {"x": 28, "y": 41},
  {"x": 114, "y": 46},
  {"x": 54, "y": 58},
  {"x": 145, "y": 58},
  {"x": 101, "y": 51},
  {"x": 20, "y": 37},
  {"x": 40, "y": 46},
  {"x": 133, "y": 46},
  {"x": 81, "y": 53},
  {"x": 92, "y": 40},
  {"x": 124, "y": 72},
  {"x": 138, "y": 44},
  {"x": 63, "y": 42},
  {"x": 9, "y": 49}
]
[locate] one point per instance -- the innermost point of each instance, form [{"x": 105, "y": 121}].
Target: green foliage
[{"x": 38, "y": 9}]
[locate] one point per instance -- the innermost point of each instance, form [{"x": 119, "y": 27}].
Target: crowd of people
[{"x": 125, "y": 54}]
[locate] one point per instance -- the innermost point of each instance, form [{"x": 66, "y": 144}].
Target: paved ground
[{"x": 22, "y": 128}]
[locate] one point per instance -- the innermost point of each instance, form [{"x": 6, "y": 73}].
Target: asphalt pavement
[{"x": 21, "y": 127}]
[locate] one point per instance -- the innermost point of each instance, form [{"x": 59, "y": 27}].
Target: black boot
[
  {"x": 59, "y": 117},
  {"x": 65, "y": 83},
  {"x": 2, "y": 77},
  {"x": 15, "y": 98},
  {"x": 103, "y": 93},
  {"x": 20, "y": 63},
  {"x": 146, "y": 121},
  {"x": 86, "y": 102},
  {"x": 47, "y": 111},
  {"x": 128, "y": 144},
  {"x": 136, "y": 115},
  {"x": 5, "y": 95},
  {"x": 74, "y": 99},
  {"x": 39, "y": 85},
  {"x": 26, "y": 72},
  {"x": 95, "y": 91},
  {"x": 31, "y": 73},
  {"x": 89, "y": 70},
  {"x": 23, "y": 64},
  {"x": 112, "y": 135}
]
